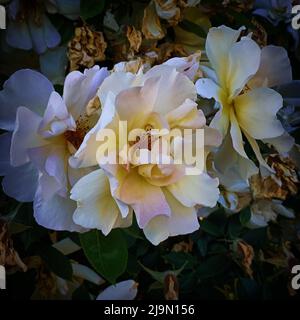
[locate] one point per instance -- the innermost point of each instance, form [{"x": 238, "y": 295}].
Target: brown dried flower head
[
  {"x": 151, "y": 26},
  {"x": 86, "y": 48},
  {"x": 283, "y": 183},
  {"x": 8, "y": 255},
  {"x": 135, "y": 38},
  {"x": 259, "y": 34},
  {"x": 246, "y": 254},
  {"x": 171, "y": 287},
  {"x": 169, "y": 50}
]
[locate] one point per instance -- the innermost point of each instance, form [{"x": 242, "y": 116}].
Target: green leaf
[
  {"x": 213, "y": 266},
  {"x": 160, "y": 276},
  {"x": 178, "y": 259},
  {"x": 202, "y": 246},
  {"x": 107, "y": 254},
  {"x": 193, "y": 28},
  {"x": 91, "y": 8},
  {"x": 215, "y": 223},
  {"x": 245, "y": 216},
  {"x": 211, "y": 228},
  {"x": 56, "y": 262}
]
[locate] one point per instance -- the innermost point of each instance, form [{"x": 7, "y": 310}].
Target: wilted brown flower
[
  {"x": 279, "y": 185},
  {"x": 246, "y": 254},
  {"x": 151, "y": 27},
  {"x": 134, "y": 37},
  {"x": 46, "y": 283},
  {"x": 169, "y": 50},
  {"x": 235, "y": 201},
  {"x": 171, "y": 287},
  {"x": 259, "y": 34},
  {"x": 8, "y": 255},
  {"x": 172, "y": 10},
  {"x": 169, "y": 10},
  {"x": 86, "y": 48}
]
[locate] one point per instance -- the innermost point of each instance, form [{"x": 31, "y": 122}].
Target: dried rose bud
[
  {"x": 245, "y": 256},
  {"x": 86, "y": 48},
  {"x": 283, "y": 183},
  {"x": 134, "y": 37},
  {"x": 171, "y": 287},
  {"x": 8, "y": 255}
]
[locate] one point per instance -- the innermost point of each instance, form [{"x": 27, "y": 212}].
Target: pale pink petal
[
  {"x": 183, "y": 220},
  {"x": 168, "y": 80},
  {"x": 56, "y": 119},
  {"x": 55, "y": 213},
  {"x": 18, "y": 91},
  {"x": 196, "y": 189},
  {"x": 218, "y": 44},
  {"x": 25, "y": 136},
  {"x": 85, "y": 156},
  {"x": 256, "y": 113},
  {"x": 147, "y": 200},
  {"x": 186, "y": 116},
  {"x": 242, "y": 65},
  {"x": 96, "y": 208},
  {"x": 274, "y": 70},
  {"x": 80, "y": 88},
  {"x": 21, "y": 182}
]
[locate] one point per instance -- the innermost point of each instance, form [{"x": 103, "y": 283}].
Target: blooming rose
[
  {"x": 239, "y": 83},
  {"x": 44, "y": 129},
  {"x": 163, "y": 197}
]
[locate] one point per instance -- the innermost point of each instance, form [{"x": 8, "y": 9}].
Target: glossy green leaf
[{"x": 107, "y": 254}]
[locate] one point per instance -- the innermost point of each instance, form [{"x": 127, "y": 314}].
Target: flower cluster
[{"x": 82, "y": 156}]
